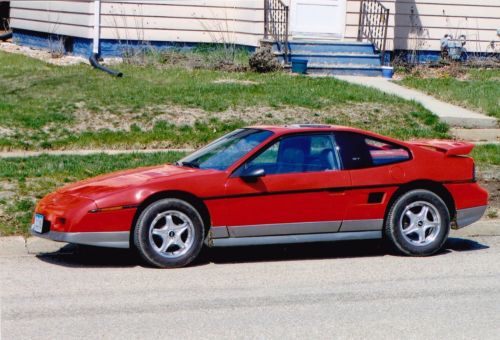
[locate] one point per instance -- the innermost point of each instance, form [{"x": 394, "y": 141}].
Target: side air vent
[{"x": 375, "y": 197}]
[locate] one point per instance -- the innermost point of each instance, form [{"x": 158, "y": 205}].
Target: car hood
[{"x": 101, "y": 186}]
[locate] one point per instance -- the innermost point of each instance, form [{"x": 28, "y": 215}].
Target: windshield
[{"x": 222, "y": 153}]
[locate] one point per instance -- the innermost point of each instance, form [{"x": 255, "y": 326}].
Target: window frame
[
  {"x": 256, "y": 129},
  {"x": 331, "y": 134},
  {"x": 377, "y": 139}
]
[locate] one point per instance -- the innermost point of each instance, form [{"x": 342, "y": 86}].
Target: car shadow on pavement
[
  {"x": 93, "y": 257},
  {"x": 86, "y": 256},
  {"x": 463, "y": 244}
]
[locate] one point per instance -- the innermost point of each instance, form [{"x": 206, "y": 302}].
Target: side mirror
[{"x": 251, "y": 175}]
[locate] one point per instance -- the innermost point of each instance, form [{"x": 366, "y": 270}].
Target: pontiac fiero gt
[{"x": 272, "y": 185}]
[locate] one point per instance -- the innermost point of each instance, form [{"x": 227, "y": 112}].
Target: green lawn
[
  {"x": 25, "y": 180},
  {"x": 479, "y": 91},
  {"x": 487, "y": 155},
  {"x": 51, "y": 107}
]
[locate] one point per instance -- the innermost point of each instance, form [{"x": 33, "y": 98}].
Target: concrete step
[
  {"x": 330, "y": 46},
  {"x": 344, "y": 69},
  {"x": 477, "y": 135},
  {"x": 335, "y": 58}
]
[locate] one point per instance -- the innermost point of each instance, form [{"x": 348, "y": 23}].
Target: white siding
[
  {"x": 477, "y": 19},
  {"x": 74, "y": 18},
  {"x": 241, "y": 21},
  {"x": 230, "y": 21}
]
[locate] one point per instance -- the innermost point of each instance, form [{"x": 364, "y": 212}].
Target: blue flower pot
[
  {"x": 299, "y": 66},
  {"x": 387, "y": 71}
]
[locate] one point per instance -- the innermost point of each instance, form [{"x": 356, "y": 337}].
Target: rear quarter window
[
  {"x": 386, "y": 153},
  {"x": 359, "y": 151}
]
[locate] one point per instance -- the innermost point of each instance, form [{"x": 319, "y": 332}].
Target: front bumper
[
  {"x": 119, "y": 239},
  {"x": 468, "y": 216}
]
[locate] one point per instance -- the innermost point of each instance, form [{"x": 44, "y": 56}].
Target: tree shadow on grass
[{"x": 94, "y": 257}]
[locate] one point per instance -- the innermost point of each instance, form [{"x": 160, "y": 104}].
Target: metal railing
[
  {"x": 373, "y": 24},
  {"x": 276, "y": 21}
]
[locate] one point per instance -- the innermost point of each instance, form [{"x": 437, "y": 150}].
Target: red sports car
[{"x": 270, "y": 185}]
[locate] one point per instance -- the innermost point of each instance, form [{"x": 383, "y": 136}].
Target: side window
[
  {"x": 386, "y": 153},
  {"x": 358, "y": 151},
  {"x": 303, "y": 153},
  {"x": 268, "y": 157}
]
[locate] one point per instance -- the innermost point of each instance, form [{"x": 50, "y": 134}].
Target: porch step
[
  {"x": 343, "y": 69},
  {"x": 334, "y": 58},
  {"x": 297, "y": 46}
]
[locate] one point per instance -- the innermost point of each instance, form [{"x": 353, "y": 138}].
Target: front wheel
[
  {"x": 418, "y": 223},
  {"x": 169, "y": 233}
]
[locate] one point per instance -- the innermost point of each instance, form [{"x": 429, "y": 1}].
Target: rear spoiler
[{"x": 449, "y": 147}]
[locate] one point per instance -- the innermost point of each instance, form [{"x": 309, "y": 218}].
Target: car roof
[
  {"x": 297, "y": 128},
  {"x": 280, "y": 130}
]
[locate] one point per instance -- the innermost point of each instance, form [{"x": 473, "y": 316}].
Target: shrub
[{"x": 263, "y": 60}]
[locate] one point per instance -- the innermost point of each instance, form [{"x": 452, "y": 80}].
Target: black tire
[
  {"x": 407, "y": 213},
  {"x": 148, "y": 244}
]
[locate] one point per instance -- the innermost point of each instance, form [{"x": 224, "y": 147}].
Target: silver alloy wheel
[
  {"x": 420, "y": 223},
  {"x": 171, "y": 234}
]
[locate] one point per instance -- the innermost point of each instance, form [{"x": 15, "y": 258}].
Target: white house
[{"x": 411, "y": 25}]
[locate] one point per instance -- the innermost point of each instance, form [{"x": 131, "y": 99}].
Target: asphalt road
[{"x": 336, "y": 290}]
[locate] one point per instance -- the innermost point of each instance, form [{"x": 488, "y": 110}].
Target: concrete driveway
[{"x": 333, "y": 290}]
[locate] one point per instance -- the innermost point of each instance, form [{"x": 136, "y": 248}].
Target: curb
[
  {"x": 19, "y": 246},
  {"x": 481, "y": 228}
]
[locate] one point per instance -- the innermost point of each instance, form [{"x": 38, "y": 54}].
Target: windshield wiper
[{"x": 188, "y": 164}]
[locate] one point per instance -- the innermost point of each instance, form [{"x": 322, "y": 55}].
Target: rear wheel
[
  {"x": 169, "y": 233},
  {"x": 418, "y": 223}
]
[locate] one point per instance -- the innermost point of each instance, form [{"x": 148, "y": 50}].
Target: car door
[
  {"x": 302, "y": 191},
  {"x": 376, "y": 168}
]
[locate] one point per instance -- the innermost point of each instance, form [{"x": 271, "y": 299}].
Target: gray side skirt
[
  {"x": 284, "y": 229},
  {"x": 321, "y": 227},
  {"x": 287, "y": 239}
]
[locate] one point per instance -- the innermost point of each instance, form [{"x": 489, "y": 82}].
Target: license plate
[{"x": 38, "y": 225}]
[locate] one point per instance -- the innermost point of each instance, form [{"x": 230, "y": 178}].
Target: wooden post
[
  {"x": 360, "y": 32},
  {"x": 266, "y": 19}
]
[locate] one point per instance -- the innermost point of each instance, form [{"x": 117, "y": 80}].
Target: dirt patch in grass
[
  {"x": 5, "y": 131},
  {"x": 424, "y": 72},
  {"x": 54, "y": 57},
  {"x": 375, "y": 114},
  {"x": 154, "y": 123},
  {"x": 235, "y": 81},
  {"x": 43, "y": 55},
  {"x": 458, "y": 71}
]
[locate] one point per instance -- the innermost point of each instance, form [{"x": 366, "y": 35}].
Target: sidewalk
[
  {"x": 15, "y": 154},
  {"x": 451, "y": 114}
]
